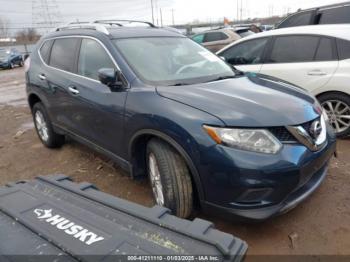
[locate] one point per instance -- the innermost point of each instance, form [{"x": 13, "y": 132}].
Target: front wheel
[
  {"x": 337, "y": 107},
  {"x": 169, "y": 178}
]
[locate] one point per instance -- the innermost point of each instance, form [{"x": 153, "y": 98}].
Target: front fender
[{"x": 148, "y": 114}]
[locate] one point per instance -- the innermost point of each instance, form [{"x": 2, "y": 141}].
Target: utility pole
[
  {"x": 172, "y": 14},
  {"x": 152, "y": 11},
  {"x": 241, "y": 9},
  {"x": 237, "y": 10},
  {"x": 45, "y": 15},
  {"x": 161, "y": 17}
]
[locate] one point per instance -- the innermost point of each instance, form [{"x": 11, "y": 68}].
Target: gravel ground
[{"x": 319, "y": 226}]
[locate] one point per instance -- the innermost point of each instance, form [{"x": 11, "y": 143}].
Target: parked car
[
  {"x": 243, "y": 31},
  {"x": 216, "y": 39},
  {"x": 162, "y": 106},
  {"x": 10, "y": 58},
  {"x": 331, "y": 14},
  {"x": 316, "y": 58}
]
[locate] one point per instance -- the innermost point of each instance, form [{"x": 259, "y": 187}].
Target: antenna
[{"x": 46, "y": 14}]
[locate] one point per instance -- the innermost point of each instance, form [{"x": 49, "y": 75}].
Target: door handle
[
  {"x": 42, "y": 77},
  {"x": 73, "y": 90},
  {"x": 316, "y": 73}
]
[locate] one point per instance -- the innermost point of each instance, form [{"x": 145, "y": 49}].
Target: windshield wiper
[
  {"x": 222, "y": 78},
  {"x": 179, "y": 84},
  {"x": 237, "y": 71}
]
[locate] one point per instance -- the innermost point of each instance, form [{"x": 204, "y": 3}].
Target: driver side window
[
  {"x": 246, "y": 53},
  {"x": 92, "y": 57}
]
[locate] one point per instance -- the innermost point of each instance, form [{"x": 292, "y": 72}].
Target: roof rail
[
  {"x": 120, "y": 22},
  {"x": 84, "y": 25}
]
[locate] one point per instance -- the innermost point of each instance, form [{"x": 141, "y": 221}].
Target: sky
[{"x": 19, "y": 13}]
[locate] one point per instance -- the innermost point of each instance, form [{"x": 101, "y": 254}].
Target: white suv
[{"x": 316, "y": 58}]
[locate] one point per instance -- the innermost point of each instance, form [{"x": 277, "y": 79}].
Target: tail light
[{"x": 27, "y": 64}]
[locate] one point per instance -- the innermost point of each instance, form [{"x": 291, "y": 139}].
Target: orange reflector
[{"x": 211, "y": 132}]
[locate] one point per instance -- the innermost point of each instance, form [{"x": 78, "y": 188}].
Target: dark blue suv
[{"x": 162, "y": 106}]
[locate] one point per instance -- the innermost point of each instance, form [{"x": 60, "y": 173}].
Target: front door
[
  {"x": 100, "y": 110},
  {"x": 246, "y": 56}
]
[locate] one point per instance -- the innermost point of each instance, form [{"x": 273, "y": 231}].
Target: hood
[{"x": 253, "y": 100}]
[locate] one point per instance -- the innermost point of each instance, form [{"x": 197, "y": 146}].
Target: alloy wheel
[
  {"x": 155, "y": 179},
  {"x": 338, "y": 113},
  {"x": 41, "y": 126}
]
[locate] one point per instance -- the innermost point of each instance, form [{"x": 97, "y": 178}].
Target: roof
[
  {"x": 339, "y": 31},
  {"x": 128, "y": 32},
  {"x": 322, "y": 7},
  {"x": 115, "y": 29}
]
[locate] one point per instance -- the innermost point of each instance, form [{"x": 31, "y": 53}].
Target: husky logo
[
  {"x": 42, "y": 214},
  {"x": 70, "y": 228}
]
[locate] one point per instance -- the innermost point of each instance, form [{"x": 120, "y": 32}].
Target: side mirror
[{"x": 110, "y": 77}]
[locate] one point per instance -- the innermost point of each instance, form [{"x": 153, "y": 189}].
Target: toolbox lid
[{"x": 54, "y": 216}]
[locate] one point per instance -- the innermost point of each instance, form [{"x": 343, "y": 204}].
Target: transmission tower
[{"x": 45, "y": 15}]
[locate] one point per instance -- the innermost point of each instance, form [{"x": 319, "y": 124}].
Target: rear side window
[
  {"x": 337, "y": 15},
  {"x": 300, "y": 19},
  {"x": 249, "y": 52},
  {"x": 214, "y": 36},
  {"x": 325, "y": 50},
  {"x": 343, "y": 49},
  {"x": 45, "y": 51},
  {"x": 92, "y": 57},
  {"x": 63, "y": 53},
  {"x": 198, "y": 38},
  {"x": 288, "y": 49}
]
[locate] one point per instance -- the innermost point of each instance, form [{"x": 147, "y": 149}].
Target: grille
[
  {"x": 307, "y": 125},
  {"x": 285, "y": 136},
  {"x": 282, "y": 134}
]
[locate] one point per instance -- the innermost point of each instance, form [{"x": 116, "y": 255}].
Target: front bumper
[{"x": 257, "y": 187}]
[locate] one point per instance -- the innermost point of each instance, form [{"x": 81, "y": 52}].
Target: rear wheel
[
  {"x": 170, "y": 178},
  {"x": 337, "y": 107},
  {"x": 44, "y": 128}
]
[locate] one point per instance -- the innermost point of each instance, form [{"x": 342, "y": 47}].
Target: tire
[
  {"x": 21, "y": 64},
  {"x": 175, "y": 179},
  {"x": 44, "y": 128},
  {"x": 12, "y": 65},
  {"x": 339, "y": 117}
]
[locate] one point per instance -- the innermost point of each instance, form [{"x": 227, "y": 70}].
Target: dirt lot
[{"x": 319, "y": 226}]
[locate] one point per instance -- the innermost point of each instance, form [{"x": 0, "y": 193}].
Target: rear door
[
  {"x": 247, "y": 55},
  {"x": 304, "y": 60},
  {"x": 59, "y": 77}
]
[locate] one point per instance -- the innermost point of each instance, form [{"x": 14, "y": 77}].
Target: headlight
[{"x": 257, "y": 140}]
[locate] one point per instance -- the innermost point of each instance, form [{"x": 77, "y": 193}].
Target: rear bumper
[{"x": 4, "y": 65}]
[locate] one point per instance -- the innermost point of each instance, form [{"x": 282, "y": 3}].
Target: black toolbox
[{"x": 54, "y": 219}]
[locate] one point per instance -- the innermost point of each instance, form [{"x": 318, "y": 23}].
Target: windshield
[{"x": 171, "y": 60}]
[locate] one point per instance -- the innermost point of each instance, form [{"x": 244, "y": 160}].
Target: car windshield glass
[{"x": 171, "y": 60}]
